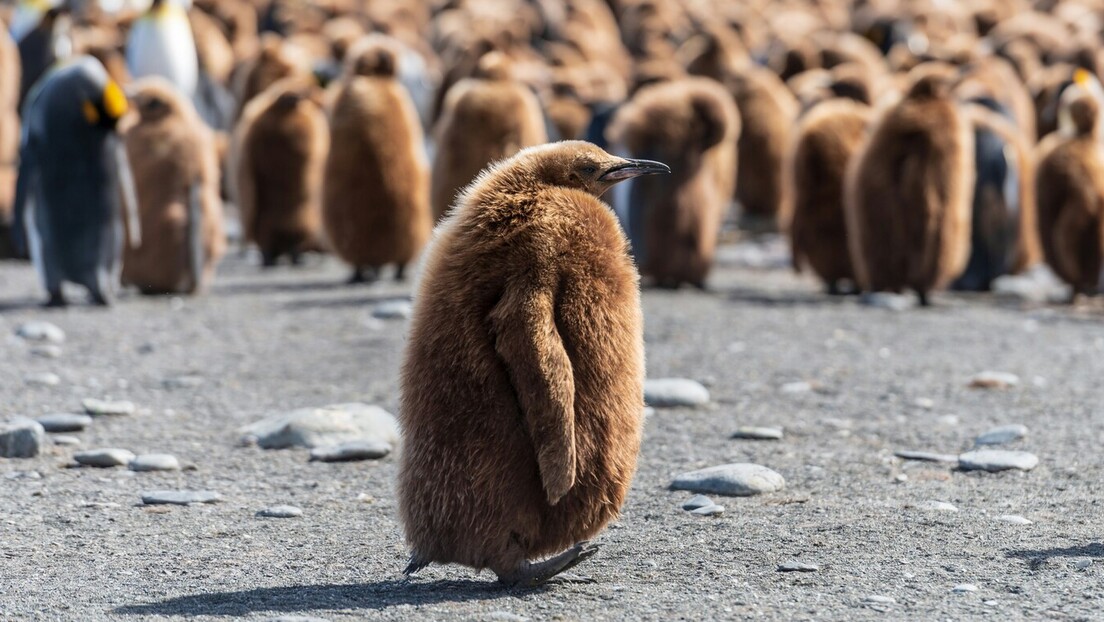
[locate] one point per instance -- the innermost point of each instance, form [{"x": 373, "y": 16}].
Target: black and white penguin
[
  {"x": 160, "y": 43},
  {"x": 74, "y": 179}
]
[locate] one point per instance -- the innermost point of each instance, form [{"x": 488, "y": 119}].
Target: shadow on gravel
[
  {"x": 1094, "y": 549},
  {"x": 302, "y": 598}
]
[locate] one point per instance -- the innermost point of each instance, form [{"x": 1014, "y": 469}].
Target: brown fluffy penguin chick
[
  {"x": 375, "y": 199},
  {"x": 1069, "y": 183},
  {"x": 674, "y": 220},
  {"x": 176, "y": 178},
  {"x": 484, "y": 119},
  {"x": 826, "y": 139},
  {"x": 276, "y": 60},
  {"x": 522, "y": 380},
  {"x": 277, "y": 160},
  {"x": 10, "y": 70},
  {"x": 908, "y": 191}
]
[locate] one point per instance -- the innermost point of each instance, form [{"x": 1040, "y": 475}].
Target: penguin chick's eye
[{"x": 588, "y": 169}]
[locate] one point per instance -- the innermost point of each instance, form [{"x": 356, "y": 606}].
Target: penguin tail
[{"x": 416, "y": 564}]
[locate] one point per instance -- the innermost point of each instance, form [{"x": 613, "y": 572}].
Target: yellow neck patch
[
  {"x": 90, "y": 113},
  {"x": 115, "y": 102}
]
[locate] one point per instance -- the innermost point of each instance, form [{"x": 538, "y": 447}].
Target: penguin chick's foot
[
  {"x": 530, "y": 574},
  {"x": 363, "y": 275}
]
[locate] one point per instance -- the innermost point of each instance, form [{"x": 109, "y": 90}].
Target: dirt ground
[{"x": 76, "y": 543}]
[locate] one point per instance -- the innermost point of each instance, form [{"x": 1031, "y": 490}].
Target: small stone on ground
[
  {"x": 697, "y": 501},
  {"x": 64, "y": 422},
  {"x": 1002, "y": 434},
  {"x": 796, "y": 566},
  {"x": 40, "y": 331},
  {"x": 997, "y": 460},
  {"x": 104, "y": 458},
  {"x": 179, "y": 497},
  {"x": 351, "y": 451},
  {"x": 738, "y": 480},
  {"x": 925, "y": 456},
  {"x": 154, "y": 462},
  {"x": 758, "y": 433},
  {"x": 1013, "y": 519},
  {"x": 994, "y": 380},
  {"x": 280, "y": 511},
  {"x": 94, "y": 406},
  {"x": 674, "y": 392},
  {"x": 21, "y": 438}
]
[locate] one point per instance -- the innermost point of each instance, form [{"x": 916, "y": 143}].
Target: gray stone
[
  {"x": 1013, "y": 519},
  {"x": 994, "y": 380},
  {"x": 754, "y": 433},
  {"x": 351, "y": 451},
  {"x": 189, "y": 381},
  {"x": 738, "y": 480},
  {"x": 938, "y": 506},
  {"x": 800, "y": 386},
  {"x": 393, "y": 310},
  {"x": 293, "y": 618},
  {"x": 997, "y": 460},
  {"x": 925, "y": 456},
  {"x": 179, "y": 497},
  {"x": 104, "y": 458},
  {"x": 65, "y": 441},
  {"x": 320, "y": 427},
  {"x": 280, "y": 511},
  {"x": 671, "y": 392},
  {"x": 1083, "y": 564},
  {"x": 94, "y": 406},
  {"x": 880, "y": 600},
  {"x": 697, "y": 501},
  {"x": 709, "y": 510},
  {"x": 506, "y": 616},
  {"x": 40, "y": 331},
  {"x": 154, "y": 462},
  {"x": 42, "y": 379},
  {"x": 64, "y": 422},
  {"x": 796, "y": 566},
  {"x": 1037, "y": 284},
  {"x": 1002, "y": 434},
  {"x": 21, "y": 438},
  {"x": 962, "y": 588},
  {"x": 888, "y": 301},
  {"x": 46, "y": 351}
]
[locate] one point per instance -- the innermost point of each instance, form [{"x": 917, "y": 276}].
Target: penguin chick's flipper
[
  {"x": 528, "y": 342},
  {"x": 195, "y": 235},
  {"x": 530, "y": 574}
]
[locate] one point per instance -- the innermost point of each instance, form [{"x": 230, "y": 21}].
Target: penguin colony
[{"x": 900, "y": 145}]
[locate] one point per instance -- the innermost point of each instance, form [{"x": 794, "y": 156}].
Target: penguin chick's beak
[{"x": 628, "y": 169}]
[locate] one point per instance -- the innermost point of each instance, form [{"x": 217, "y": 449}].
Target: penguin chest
[{"x": 164, "y": 46}]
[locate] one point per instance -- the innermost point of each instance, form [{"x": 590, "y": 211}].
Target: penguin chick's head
[
  {"x": 154, "y": 99},
  {"x": 583, "y": 166},
  {"x": 372, "y": 56}
]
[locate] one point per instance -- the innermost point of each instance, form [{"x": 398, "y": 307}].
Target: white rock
[
  {"x": 1083, "y": 564},
  {"x": 880, "y": 600},
  {"x": 796, "y": 387},
  {"x": 64, "y": 422},
  {"x": 1013, "y": 519},
  {"x": 709, "y": 510},
  {"x": 738, "y": 480},
  {"x": 964, "y": 587},
  {"x": 796, "y": 566},
  {"x": 280, "y": 511},
  {"x": 21, "y": 438},
  {"x": 938, "y": 506},
  {"x": 994, "y": 380},
  {"x": 320, "y": 427},
  {"x": 758, "y": 433},
  {"x": 154, "y": 462},
  {"x": 670, "y": 392},
  {"x": 997, "y": 460},
  {"x": 1037, "y": 284},
  {"x": 351, "y": 451},
  {"x": 1002, "y": 434},
  {"x": 104, "y": 458},
  {"x": 393, "y": 310},
  {"x": 697, "y": 501},
  {"x": 924, "y": 402},
  {"x": 64, "y": 440},
  {"x": 888, "y": 301},
  {"x": 179, "y": 497},
  {"x": 42, "y": 379},
  {"x": 46, "y": 350},
  {"x": 40, "y": 331},
  {"x": 102, "y": 407}
]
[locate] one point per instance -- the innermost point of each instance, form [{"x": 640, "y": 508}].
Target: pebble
[
  {"x": 1013, "y": 519},
  {"x": 154, "y": 462},
  {"x": 393, "y": 310},
  {"x": 1037, "y": 284},
  {"x": 1002, "y": 434},
  {"x": 280, "y": 511},
  {"x": 21, "y": 438},
  {"x": 64, "y": 440},
  {"x": 1083, "y": 564},
  {"x": 709, "y": 510},
  {"x": 964, "y": 587},
  {"x": 880, "y": 600},
  {"x": 997, "y": 460},
  {"x": 671, "y": 392},
  {"x": 888, "y": 301},
  {"x": 296, "y": 619},
  {"x": 697, "y": 501},
  {"x": 796, "y": 566},
  {"x": 738, "y": 480},
  {"x": 183, "y": 382},
  {"x": 104, "y": 458},
  {"x": 42, "y": 379},
  {"x": 925, "y": 456},
  {"x": 939, "y": 506},
  {"x": 179, "y": 497},
  {"x": 796, "y": 387},
  {"x": 102, "y": 407},
  {"x": 322, "y": 427},
  {"x": 924, "y": 402},
  {"x": 506, "y": 616},
  {"x": 22, "y": 475},
  {"x": 994, "y": 380},
  {"x": 64, "y": 422},
  {"x": 40, "y": 331},
  {"x": 348, "y": 452},
  {"x": 46, "y": 351},
  {"x": 758, "y": 433}
]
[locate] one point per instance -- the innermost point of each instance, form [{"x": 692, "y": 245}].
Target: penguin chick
[
  {"x": 375, "y": 204},
  {"x": 175, "y": 164},
  {"x": 277, "y": 59},
  {"x": 674, "y": 221},
  {"x": 277, "y": 159},
  {"x": 522, "y": 379},
  {"x": 825, "y": 141},
  {"x": 9, "y": 136},
  {"x": 74, "y": 180},
  {"x": 908, "y": 190},
  {"x": 1069, "y": 182},
  {"x": 484, "y": 119}
]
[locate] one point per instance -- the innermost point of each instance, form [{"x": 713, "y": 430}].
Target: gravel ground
[{"x": 76, "y": 543}]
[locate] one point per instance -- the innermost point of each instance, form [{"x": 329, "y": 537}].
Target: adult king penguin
[
  {"x": 73, "y": 174},
  {"x": 160, "y": 43}
]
